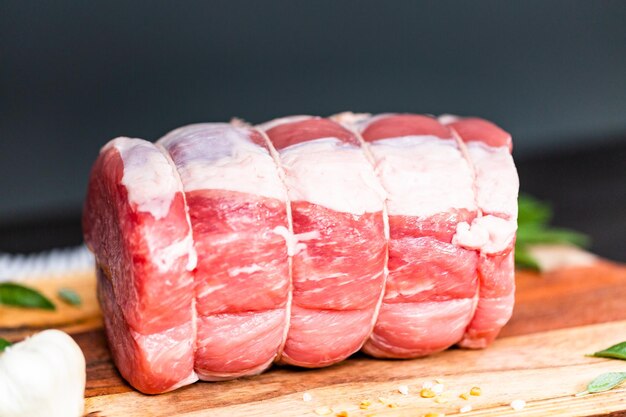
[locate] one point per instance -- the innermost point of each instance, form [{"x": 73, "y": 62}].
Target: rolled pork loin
[{"x": 224, "y": 247}]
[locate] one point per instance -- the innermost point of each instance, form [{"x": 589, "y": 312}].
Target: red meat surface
[
  {"x": 147, "y": 309},
  {"x": 338, "y": 278},
  {"x": 496, "y": 270},
  {"x": 215, "y": 260},
  {"x": 432, "y": 283},
  {"x": 242, "y": 277}
]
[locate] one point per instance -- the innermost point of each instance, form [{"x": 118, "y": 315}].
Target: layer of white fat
[
  {"x": 496, "y": 186},
  {"x": 186, "y": 245},
  {"x": 353, "y": 121},
  {"x": 332, "y": 174},
  {"x": 150, "y": 180},
  {"x": 283, "y": 120},
  {"x": 295, "y": 242},
  {"x": 497, "y": 183},
  {"x": 423, "y": 175},
  {"x": 165, "y": 257},
  {"x": 489, "y": 234},
  {"x": 223, "y": 157}
]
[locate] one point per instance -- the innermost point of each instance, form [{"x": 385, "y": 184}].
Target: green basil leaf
[
  {"x": 534, "y": 234},
  {"x": 606, "y": 382},
  {"x": 617, "y": 351},
  {"x": 533, "y": 211},
  {"x": 21, "y": 296},
  {"x": 69, "y": 296},
  {"x": 523, "y": 259},
  {"x": 4, "y": 344},
  {"x": 533, "y": 228}
]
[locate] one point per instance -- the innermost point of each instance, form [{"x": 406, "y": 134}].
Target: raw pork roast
[{"x": 223, "y": 248}]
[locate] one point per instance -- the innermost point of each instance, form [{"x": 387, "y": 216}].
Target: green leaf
[
  {"x": 69, "y": 296},
  {"x": 606, "y": 382},
  {"x": 617, "y": 351},
  {"x": 4, "y": 344},
  {"x": 533, "y": 228},
  {"x": 533, "y": 211},
  {"x": 21, "y": 296},
  {"x": 533, "y": 234},
  {"x": 523, "y": 259}
]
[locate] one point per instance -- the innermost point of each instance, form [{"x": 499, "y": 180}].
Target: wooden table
[{"x": 539, "y": 358}]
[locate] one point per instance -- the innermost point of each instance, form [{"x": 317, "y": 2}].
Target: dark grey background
[{"x": 75, "y": 74}]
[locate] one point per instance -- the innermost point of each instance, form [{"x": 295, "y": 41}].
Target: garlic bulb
[{"x": 42, "y": 376}]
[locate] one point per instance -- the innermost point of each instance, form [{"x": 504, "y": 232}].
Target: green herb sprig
[
  {"x": 69, "y": 296},
  {"x": 533, "y": 221},
  {"x": 18, "y": 295},
  {"x": 604, "y": 382},
  {"x": 4, "y": 344},
  {"x": 617, "y": 351},
  {"x": 608, "y": 380}
]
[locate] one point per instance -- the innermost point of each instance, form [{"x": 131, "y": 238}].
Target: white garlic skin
[{"x": 43, "y": 376}]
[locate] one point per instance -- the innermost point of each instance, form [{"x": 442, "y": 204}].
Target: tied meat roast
[{"x": 223, "y": 247}]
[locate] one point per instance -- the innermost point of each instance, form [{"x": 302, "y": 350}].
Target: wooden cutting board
[{"x": 539, "y": 358}]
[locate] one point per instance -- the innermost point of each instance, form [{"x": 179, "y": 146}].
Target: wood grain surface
[
  {"x": 539, "y": 358},
  {"x": 83, "y": 283},
  {"x": 544, "y": 369}
]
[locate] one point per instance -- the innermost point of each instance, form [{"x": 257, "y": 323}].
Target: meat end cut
[
  {"x": 224, "y": 247},
  {"x": 496, "y": 186},
  {"x": 135, "y": 221}
]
